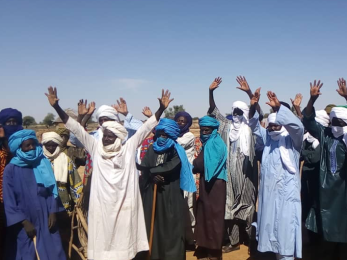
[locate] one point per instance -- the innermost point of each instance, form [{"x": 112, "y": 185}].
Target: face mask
[
  {"x": 338, "y": 131},
  {"x": 161, "y": 141},
  {"x": 31, "y": 154},
  {"x": 204, "y": 138},
  {"x": 237, "y": 119}
]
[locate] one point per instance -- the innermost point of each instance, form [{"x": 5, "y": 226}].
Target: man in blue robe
[
  {"x": 30, "y": 194},
  {"x": 279, "y": 208}
]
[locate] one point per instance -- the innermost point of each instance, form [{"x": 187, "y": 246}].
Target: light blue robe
[{"x": 279, "y": 208}]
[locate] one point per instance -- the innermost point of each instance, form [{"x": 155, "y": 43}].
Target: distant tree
[
  {"x": 28, "y": 120},
  {"x": 171, "y": 112},
  {"x": 48, "y": 120}
]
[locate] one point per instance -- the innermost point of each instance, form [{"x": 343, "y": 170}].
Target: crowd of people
[{"x": 153, "y": 190}]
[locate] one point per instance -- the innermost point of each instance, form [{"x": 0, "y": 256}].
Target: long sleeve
[
  {"x": 14, "y": 213},
  {"x": 292, "y": 124},
  {"x": 187, "y": 141},
  {"x": 258, "y": 130},
  {"x": 311, "y": 125},
  {"x": 134, "y": 142},
  {"x": 82, "y": 135},
  {"x": 131, "y": 124},
  {"x": 223, "y": 124}
]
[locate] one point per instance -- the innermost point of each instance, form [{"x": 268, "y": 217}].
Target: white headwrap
[
  {"x": 280, "y": 136},
  {"x": 323, "y": 119},
  {"x": 341, "y": 113},
  {"x": 111, "y": 150},
  {"x": 61, "y": 161},
  {"x": 107, "y": 111},
  {"x": 239, "y": 128}
]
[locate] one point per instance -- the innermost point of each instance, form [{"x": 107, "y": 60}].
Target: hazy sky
[{"x": 103, "y": 50}]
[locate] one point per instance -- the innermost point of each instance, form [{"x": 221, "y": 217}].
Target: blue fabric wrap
[
  {"x": 215, "y": 151},
  {"x": 34, "y": 159},
  {"x": 170, "y": 127},
  {"x": 5, "y": 115},
  {"x": 185, "y": 128}
]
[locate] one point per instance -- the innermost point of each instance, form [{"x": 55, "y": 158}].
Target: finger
[
  {"x": 318, "y": 83},
  {"x": 162, "y": 92},
  {"x": 311, "y": 85},
  {"x": 118, "y": 102},
  {"x": 171, "y": 100},
  {"x": 55, "y": 92},
  {"x": 239, "y": 88},
  {"x": 321, "y": 85},
  {"x": 86, "y": 103},
  {"x": 292, "y": 101},
  {"x": 267, "y": 103}
]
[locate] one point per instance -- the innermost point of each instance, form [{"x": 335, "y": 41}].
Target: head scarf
[
  {"x": 215, "y": 150},
  {"x": 239, "y": 128},
  {"x": 63, "y": 131},
  {"x": 341, "y": 113},
  {"x": 61, "y": 160},
  {"x": 329, "y": 107},
  {"x": 161, "y": 145},
  {"x": 112, "y": 150},
  {"x": 321, "y": 118},
  {"x": 107, "y": 111},
  {"x": 280, "y": 136},
  {"x": 5, "y": 115},
  {"x": 35, "y": 159},
  {"x": 185, "y": 128}
]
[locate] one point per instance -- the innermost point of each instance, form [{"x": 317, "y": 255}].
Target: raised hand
[
  {"x": 165, "y": 100},
  {"x": 315, "y": 89},
  {"x": 82, "y": 107},
  {"x": 255, "y": 97},
  {"x": 297, "y": 101},
  {"x": 91, "y": 108},
  {"x": 147, "y": 112},
  {"x": 215, "y": 83},
  {"x": 243, "y": 84},
  {"x": 273, "y": 101},
  {"x": 52, "y": 96},
  {"x": 121, "y": 107},
  {"x": 342, "y": 90}
]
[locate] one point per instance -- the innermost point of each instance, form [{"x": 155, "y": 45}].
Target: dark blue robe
[{"x": 25, "y": 199}]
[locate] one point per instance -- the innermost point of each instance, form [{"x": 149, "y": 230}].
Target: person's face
[
  {"x": 108, "y": 138},
  {"x": 163, "y": 135},
  {"x": 181, "y": 121},
  {"x": 65, "y": 140},
  {"x": 273, "y": 127},
  {"x": 205, "y": 130},
  {"x": 237, "y": 112},
  {"x": 104, "y": 119},
  {"x": 338, "y": 122},
  {"x": 2, "y": 132},
  {"x": 28, "y": 145},
  {"x": 51, "y": 146},
  {"x": 11, "y": 121}
]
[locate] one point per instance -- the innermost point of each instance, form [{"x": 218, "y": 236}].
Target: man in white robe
[{"x": 116, "y": 226}]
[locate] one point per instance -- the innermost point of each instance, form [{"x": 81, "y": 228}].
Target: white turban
[
  {"x": 107, "y": 111},
  {"x": 341, "y": 113},
  {"x": 239, "y": 128},
  {"x": 60, "y": 160},
  {"x": 111, "y": 150},
  {"x": 271, "y": 118},
  {"x": 322, "y": 117}
]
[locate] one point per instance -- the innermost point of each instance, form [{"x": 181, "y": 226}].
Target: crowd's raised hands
[{"x": 342, "y": 90}]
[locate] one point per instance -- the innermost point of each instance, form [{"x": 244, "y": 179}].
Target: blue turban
[
  {"x": 185, "y": 128},
  {"x": 215, "y": 150},
  {"x": 5, "y": 115},
  {"x": 170, "y": 127},
  {"x": 34, "y": 159}
]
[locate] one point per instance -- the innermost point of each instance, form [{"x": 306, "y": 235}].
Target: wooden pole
[
  {"x": 37, "y": 254},
  {"x": 152, "y": 220},
  {"x": 301, "y": 166}
]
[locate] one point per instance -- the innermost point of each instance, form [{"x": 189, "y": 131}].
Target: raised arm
[
  {"x": 254, "y": 123},
  {"x": 131, "y": 124},
  {"x": 88, "y": 141},
  {"x": 342, "y": 90},
  {"x": 245, "y": 88},
  {"x": 213, "y": 87},
  {"x": 90, "y": 112},
  {"x": 147, "y": 127},
  {"x": 288, "y": 120},
  {"x": 296, "y": 104},
  {"x": 314, "y": 94}
]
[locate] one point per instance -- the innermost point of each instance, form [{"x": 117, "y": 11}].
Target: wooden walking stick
[
  {"x": 37, "y": 254},
  {"x": 301, "y": 166},
  {"x": 152, "y": 220}
]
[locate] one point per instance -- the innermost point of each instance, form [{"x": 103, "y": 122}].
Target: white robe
[{"x": 116, "y": 224}]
